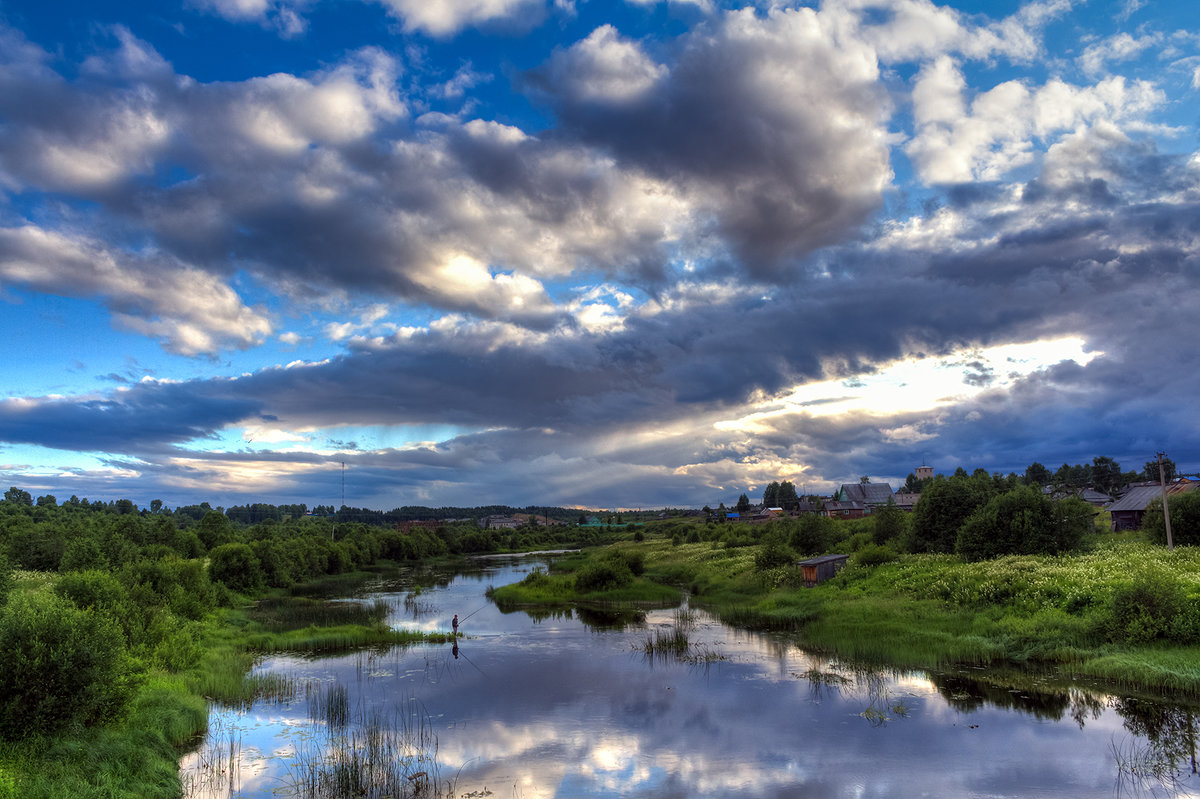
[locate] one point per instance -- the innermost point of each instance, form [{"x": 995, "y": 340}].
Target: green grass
[
  {"x": 137, "y": 756},
  {"x": 559, "y": 590},
  {"x": 933, "y": 611}
]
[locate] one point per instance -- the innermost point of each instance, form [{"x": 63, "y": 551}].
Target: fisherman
[{"x": 454, "y": 624}]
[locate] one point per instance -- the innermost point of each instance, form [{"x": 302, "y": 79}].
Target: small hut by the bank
[{"x": 817, "y": 570}]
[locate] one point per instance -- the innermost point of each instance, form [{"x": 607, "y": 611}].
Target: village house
[
  {"x": 855, "y": 500},
  {"x": 1127, "y": 512}
]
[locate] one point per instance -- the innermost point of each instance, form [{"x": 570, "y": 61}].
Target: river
[{"x": 564, "y": 706}]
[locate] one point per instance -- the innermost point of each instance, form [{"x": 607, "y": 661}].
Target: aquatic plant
[
  {"x": 329, "y": 703},
  {"x": 377, "y": 754}
]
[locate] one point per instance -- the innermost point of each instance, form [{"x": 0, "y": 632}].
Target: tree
[
  {"x": 47, "y": 501},
  {"x": 1150, "y": 472},
  {"x": 813, "y": 535},
  {"x": 771, "y": 495},
  {"x": 787, "y": 496},
  {"x": 945, "y": 505},
  {"x": 214, "y": 530},
  {"x": 889, "y": 522},
  {"x": 1018, "y": 522},
  {"x": 236, "y": 566},
  {"x": 1106, "y": 475},
  {"x": 18, "y": 497},
  {"x": 1185, "y": 519},
  {"x": 1037, "y": 474},
  {"x": 915, "y": 485},
  {"x": 743, "y": 504},
  {"x": 156, "y": 506}
]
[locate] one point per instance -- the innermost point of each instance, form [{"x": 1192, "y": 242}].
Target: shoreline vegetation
[
  {"x": 1121, "y": 615},
  {"x": 136, "y": 753},
  {"x": 119, "y": 627}
]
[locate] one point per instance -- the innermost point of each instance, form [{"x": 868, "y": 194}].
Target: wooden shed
[{"x": 818, "y": 570}]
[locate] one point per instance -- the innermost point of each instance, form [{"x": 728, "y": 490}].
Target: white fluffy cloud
[
  {"x": 995, "y": 132},
  {"x": 191, "y": 311},
  {"x": 445, "y": 17}
]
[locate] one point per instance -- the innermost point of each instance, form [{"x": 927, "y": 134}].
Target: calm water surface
[{"x": 560, "y": 706}]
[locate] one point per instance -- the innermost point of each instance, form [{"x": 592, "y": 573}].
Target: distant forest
[{"x": 260, "y": 512}]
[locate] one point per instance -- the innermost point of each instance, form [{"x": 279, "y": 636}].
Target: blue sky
[{"x": 628, "y": 254}]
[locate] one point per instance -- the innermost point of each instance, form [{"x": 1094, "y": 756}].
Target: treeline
[
  {"x": 1103, "y": 474},
  {"x": 123, "y": 593}
]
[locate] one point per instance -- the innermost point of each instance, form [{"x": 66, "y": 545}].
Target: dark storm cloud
[
  {"x": 775, "y": 120},
  {"x": 139, "y": 419}
]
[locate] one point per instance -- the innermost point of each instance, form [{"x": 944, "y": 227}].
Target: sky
[{"x": 581, "y": 253}]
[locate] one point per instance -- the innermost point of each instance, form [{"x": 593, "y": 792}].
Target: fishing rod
[{"x": 472, "y": 613}]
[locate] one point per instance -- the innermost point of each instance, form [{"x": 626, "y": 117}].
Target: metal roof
[
  {"x": 1136, "y": 498},
  {"x": 870, "y": 493}
]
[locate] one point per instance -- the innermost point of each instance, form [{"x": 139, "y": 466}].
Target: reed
[
  {"x": 276, "y": 614},
  {"x": 376, "y": 754},
  {"x": 329, "y": 703},
  {"x": 673, "y": 641}
]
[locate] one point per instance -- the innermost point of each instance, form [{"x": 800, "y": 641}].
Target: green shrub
[
  {"x": 1150, "y": 609},
  {"x": 235, "y": 566},
  {"x": 83, "y": 552},
  {"x": 634, "y": 560},
  {"x": 60, "y": 667},
  {"x": 813, "y": 535},
  {"x": 1185, "y": 520},
  {"x": 601, "y": 575},
  {"x": 873, "y": 555},
  {"x": 1021, "y": 522},
  {"x": 774, "y": 554}
]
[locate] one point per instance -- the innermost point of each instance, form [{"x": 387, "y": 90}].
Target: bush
[
  {"x": 601, "y": 575},
  {"x": 1151, "y": 609},
  {"x": 1019, "y": 522},
  {"x": 60, "y": 667},
  {"x": 236, "y": 567},
  {"x": 873, "y": 555},
  {"x": 813, "y": 535},
  {"x": 774, "y": 554},
  {"x": 1185, "y": 520}
]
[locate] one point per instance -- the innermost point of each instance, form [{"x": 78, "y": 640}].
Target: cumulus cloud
[
  {"x": 446, "y": 17},
  {"x": 916, "y": 30},
  {"x": 284, "y": 16},
  {"x": 994, "y": 134},
  {"x": 1121, "y": 47},
  {"x": 772, "y": 128},
  {"x": 189, "y": 310},
  {"x": 629, "y": 294}
]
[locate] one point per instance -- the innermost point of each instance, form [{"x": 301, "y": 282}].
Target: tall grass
[
  {"x": 276, "y": 614},
  {"x": 375, "y": 754}
]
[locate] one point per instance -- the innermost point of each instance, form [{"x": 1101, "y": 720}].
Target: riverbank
[
  {"x": 1124, "y": 612},
  {"x": 136, "y": 755}
]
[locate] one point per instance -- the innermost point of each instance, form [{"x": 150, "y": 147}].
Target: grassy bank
[
  {"x": 608, "y": 577},
  {"x": 136, "y": 753},
  {"x": 1124, "y": 612}
]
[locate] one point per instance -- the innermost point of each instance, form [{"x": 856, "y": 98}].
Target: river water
[{"x": 564, "y": 706}]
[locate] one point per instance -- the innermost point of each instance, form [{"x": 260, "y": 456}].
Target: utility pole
[{"x": 1162, "y": 482}]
